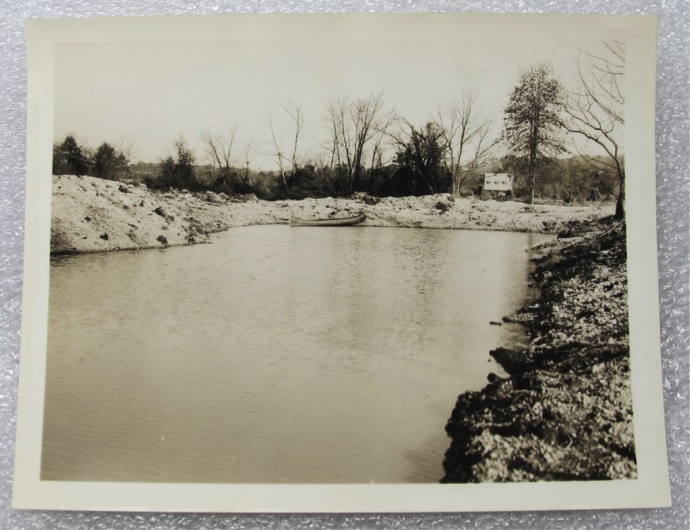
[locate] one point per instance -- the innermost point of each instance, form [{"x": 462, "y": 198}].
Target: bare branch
[
  {"x": 596, "y": 110},
  {"x": 294, "y": 111},
  {"x": 127, "y": 146},
  {"x": 466, "y": 132},
  {"x": 276, "y": 152}
]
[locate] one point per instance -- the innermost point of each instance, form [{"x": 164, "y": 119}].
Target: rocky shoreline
[
  {"x": 564, "y": 411},
  {"x": 95, "y": 215}
]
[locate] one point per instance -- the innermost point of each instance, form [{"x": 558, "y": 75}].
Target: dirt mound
[{"x": 92, "y": 215}]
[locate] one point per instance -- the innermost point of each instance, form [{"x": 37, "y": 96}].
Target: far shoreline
[{"x": 95, "y": 215}]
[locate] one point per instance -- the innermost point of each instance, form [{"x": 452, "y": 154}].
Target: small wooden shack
[{"x": 497, "y": 182}]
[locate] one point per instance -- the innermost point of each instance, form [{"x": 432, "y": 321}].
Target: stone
[{"x": 213, "y": 198}]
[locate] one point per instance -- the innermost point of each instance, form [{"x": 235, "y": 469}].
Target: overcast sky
[{"x": 155, "y": 92}]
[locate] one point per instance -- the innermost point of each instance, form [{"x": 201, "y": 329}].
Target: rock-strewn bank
[
  {"x": 91, "y": 215},
  {"x": 565, "y": 410}
]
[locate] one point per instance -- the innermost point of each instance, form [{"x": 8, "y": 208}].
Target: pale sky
[{"x": 156, "y": 91}]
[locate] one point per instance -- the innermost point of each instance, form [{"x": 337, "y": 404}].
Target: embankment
[
  {"x": 92, "y": 215},
  {"x": 564, "y": 412}
]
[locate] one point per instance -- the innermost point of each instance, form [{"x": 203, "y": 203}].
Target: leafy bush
[{"x": 178, "y": 173}]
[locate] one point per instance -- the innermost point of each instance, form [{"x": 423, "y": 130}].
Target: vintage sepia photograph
[{"x": 342, "y": 250}]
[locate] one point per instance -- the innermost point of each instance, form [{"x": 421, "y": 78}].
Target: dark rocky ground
[{"x": 565, "y": 410}]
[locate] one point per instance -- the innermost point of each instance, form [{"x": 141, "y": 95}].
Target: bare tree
[
  {"x": 294, "y": 111},
  {"x": 219, "y": 152},
  {"x": 340, "y": 144},
  {"x": 248, "y": 149},
  {"x": 354, "y": 126},
  {"x": 127, "y": 146},
  {"x": 380, "y": 133},
  {"x": 277, "y": 152},
  {"x": 287, "y": 164},
  {"x": 595, "y": 110},
  {"x": 466, "y": 133}
]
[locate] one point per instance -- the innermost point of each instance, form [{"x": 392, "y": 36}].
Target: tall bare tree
[
  {"x": 128, "y": 146},
  {"x": 248, "y": 149},
  {"x": 219, "y": 152},
  {"x": 355, "y": 126},
  {"x": 294, "y": 111},
  {"x": 466, "y": 132},
  {"x": 595, "y": 110},
  {"x": 277, "y": 152},
  {"x": 287, "y": 159},
  {"x": 532, "y": 118}
]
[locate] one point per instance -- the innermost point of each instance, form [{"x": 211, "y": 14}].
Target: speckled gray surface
[{"x": 673, "y": 145}]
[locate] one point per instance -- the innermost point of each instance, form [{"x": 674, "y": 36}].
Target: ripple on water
[{"x": 274, "y": 354}]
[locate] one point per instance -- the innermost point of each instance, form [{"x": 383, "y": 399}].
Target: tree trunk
[
  {"x": 620, "y": 204},
  {"x": 282, "y": 174},
  {"x": 533, "y": 158},
  {"x": 532, "y": 179},
  {"x": 531, "y": 186}
]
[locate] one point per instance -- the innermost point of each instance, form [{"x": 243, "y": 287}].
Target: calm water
[{"x": 276, "y": 354}]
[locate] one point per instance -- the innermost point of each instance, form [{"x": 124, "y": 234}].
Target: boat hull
[{"x": 345, "y": 221}]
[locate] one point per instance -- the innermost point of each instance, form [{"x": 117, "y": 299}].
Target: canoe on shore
[{"x": 343, "y": 221}]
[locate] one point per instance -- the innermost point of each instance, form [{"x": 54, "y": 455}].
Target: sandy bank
[
  {"x": 565, "y": 410},
  {"x": 91, "y": 215}
]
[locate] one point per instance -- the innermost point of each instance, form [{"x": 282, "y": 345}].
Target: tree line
[
  {"x": 104, "y": 162},
  {"x": 369, "y": 148}
]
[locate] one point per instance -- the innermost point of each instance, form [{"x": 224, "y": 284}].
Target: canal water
[{"x": 275, "y": 354}]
